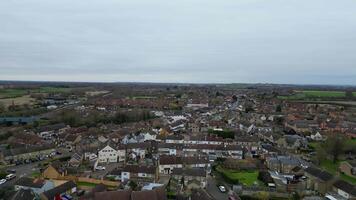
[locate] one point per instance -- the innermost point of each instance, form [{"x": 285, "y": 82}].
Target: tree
[
  {"x": 2, "y": 107},
  {"x": 320, "y": 154},
  {"x": 263, "y": 195},
  {"x": 279, "y": 108},
  {"x": 133, "y": 185},
  {"x": 334, "y": 146},
  {"x": 349, "y": 94}
]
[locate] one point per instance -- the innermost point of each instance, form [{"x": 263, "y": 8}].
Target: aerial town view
[{"x": 177, "y": 100}]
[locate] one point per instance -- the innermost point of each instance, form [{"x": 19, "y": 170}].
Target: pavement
[{"x": 214, "y": 191}]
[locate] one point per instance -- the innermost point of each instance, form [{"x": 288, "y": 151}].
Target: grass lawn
[
  {"x": 247, "y": 178},
  {"x": 314, "y": 145},
  {"x": 35, "y": 174},
  {"x": 86, "y": 184},
  {"x": 332, "y": 168}
]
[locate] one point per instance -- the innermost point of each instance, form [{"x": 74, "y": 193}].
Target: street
[
  {"x": 214, "y": 191},
  {"x": 26, "y": 170}
]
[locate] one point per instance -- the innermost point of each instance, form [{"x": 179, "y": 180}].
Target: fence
[{"x": 90, "y": 180}]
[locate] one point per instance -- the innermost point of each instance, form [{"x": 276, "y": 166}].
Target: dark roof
[
  {"x": 139, "y": 169},
  {"x": 346, "y": 187},
  {"x": 170, "y": 160},
  {"x": 17, "y": 119},
  {"x": 30, "y": 182},
  {"x": 189, "y": 172},
  {"x": 322, "y": 175},
  {"x": 24, "y": 194},
  {"x": 156, "y": 194},
  {"x": 50, "y": 194},
  {"x": 96, "y": 189},
  {"x": 52, "y": 127},
  {"x": 113, "y": 195},
  {"x": 32, "y": 148}
]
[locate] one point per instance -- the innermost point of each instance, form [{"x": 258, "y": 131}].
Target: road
[
  {"x": 214, "y": 191},
  {"x": 26, "y": 170}
]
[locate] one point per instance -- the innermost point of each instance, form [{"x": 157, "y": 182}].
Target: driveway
[{"x": 101, "y": 173}]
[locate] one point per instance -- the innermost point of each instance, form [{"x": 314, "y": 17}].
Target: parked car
[
  {"x": 222, "y": 188},
  {"x": 100, "y": 168},
  {"x": 12, "y": 171},
  {"x": 2, "y": 181},
  {"x": 10, "y": 176}
]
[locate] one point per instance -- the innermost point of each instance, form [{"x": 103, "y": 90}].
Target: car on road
[
  {"x": 222, "y": 188},
  {"x": 10, "y": 176},
  {"x": 100, "y": 168},
  {"x": 2, "y": 181}
]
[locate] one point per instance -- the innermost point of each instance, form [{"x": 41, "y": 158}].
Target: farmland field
[
  {"x": 26, "y": 99},
  {"x": 13, "y": 93},
  {"x": 312, "y": 94}
]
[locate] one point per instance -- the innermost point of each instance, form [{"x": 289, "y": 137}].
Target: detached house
[
  {"x": 348, "y": 168},
  {"x": 108, "y": 154}
]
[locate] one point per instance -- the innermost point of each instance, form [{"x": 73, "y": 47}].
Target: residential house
[
  {"x": 27, "y": 152},
  {"x": 155, "y": 194},
  {"x": 36, "y": 185},
  {"x": 318, "y": 180},
  {"x": 24, "y": 194},
  {"x": 282, "y": 164},
  {"x": 168, "y": 163},
  {"x": 76, "y": 160},
  {"x": 292, "y": 142},
  {"x": 348, "y": 168},
  {"x": 139, "y": 173},
  {"x": 345, "y": 189},
  {"x": 108, "y": 154},
  {"x": 60, "y": 192},
  {"x": 190, "y": 175},
  {"x": 55, "y": 170}
]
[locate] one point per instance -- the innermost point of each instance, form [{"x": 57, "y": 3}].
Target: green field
[
  {"x": 313, "y": 94},
  {"x": 86, "y": 184},
  {"x": 247, "y": 178},
  {"x": 14, "y": 93},
  {"x": 333, "y": 168}
]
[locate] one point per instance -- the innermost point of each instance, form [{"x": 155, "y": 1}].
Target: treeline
[{"x": 76, "y": 119}]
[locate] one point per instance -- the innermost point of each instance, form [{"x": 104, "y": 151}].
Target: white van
[{"x": 10, "y": 176}]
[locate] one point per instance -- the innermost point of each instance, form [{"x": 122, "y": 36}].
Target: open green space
[
  {"x": 19, "y": 92},
  {"x": 12, "y": 93},
  {"x": 315, "y": 94},
  {"x": 247, "y": 178},
  {"x": 333, "y": 168}
]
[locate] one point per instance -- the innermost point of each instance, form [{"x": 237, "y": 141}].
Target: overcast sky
[{"x": 221, "y": 41}]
